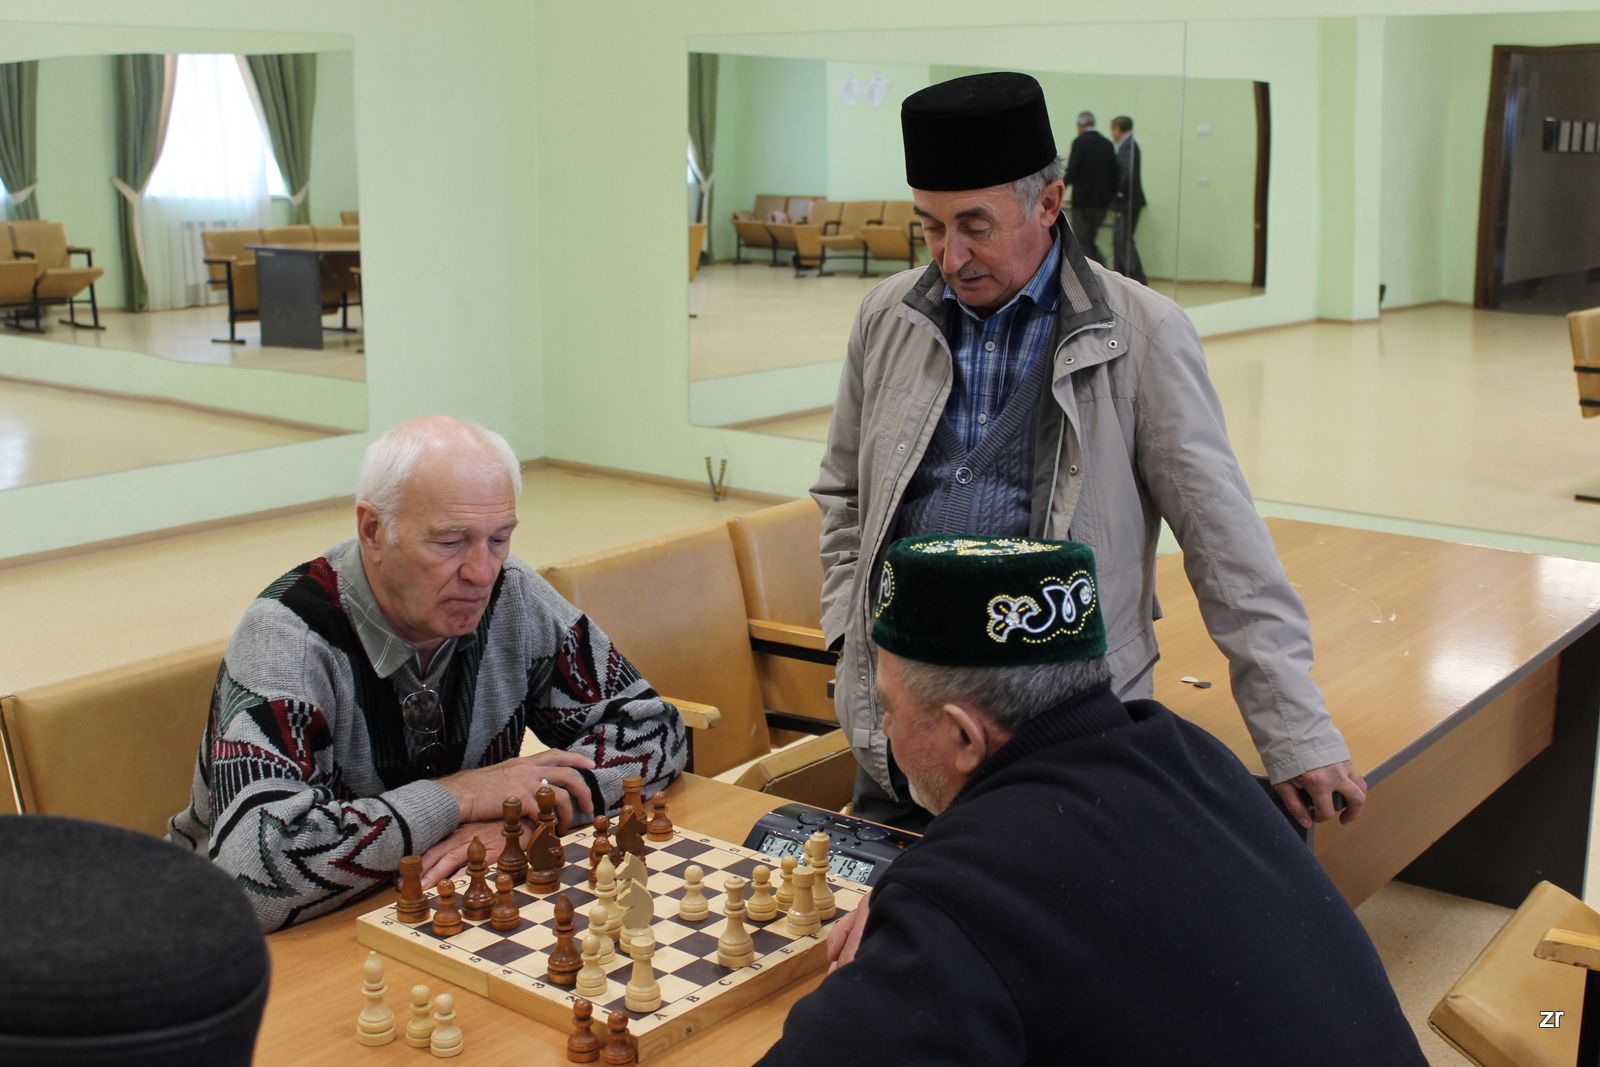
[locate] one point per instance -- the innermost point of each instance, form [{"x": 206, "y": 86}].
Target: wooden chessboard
[{"x": 509, "y": 966}]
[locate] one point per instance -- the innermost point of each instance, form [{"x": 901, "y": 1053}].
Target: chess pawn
[
  {"x": 786, "y": 868},
  {"x": 565, "y": 960},
  {"x": 660, "y": 828},
  {"x": 644, "y": 992},
  {"x": 478, "y": 901},
  {"x": 693, "y": 907},
  {"x": 413, "y": 904},
  {"x": 762, "y": 907},
  {"x": 734, "y": 947},
  {"x": 504, "y": 914},
  {"x": 591, "y": 979},
  {"x": 447, "y": 919},
  {"x": 420, "y": 1028},
  {"x": 821, "y": 892},
  {"x": 803, "y": 921},
  {"x": 584, "y": 1044},
  {"x": 620, "y": 1049},
  {"x": 600, "y": 926},
  {"x": 513, "y": 861},
  {"x": 445, "y": 1041},
  {"x": 376, "y": 1024},
  {"x": 600, "y": 849}
]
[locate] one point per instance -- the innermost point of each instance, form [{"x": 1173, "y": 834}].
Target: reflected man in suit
[
  {"x": 1128, "y": 202},
  {"x": 1092, "y": 174}
]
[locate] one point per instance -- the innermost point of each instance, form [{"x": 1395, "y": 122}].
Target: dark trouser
[
  {"x": 1086, "y": 223},
  {"x": 874, "y": 805},
  {"x": 1124, "y": 248}
]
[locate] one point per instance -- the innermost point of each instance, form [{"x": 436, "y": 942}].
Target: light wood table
[
  {"x": 1465, "y": 680},
  {"x": 316, "y": 981}
]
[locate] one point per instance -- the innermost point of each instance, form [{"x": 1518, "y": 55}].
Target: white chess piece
[
  {"x": 821, "y": 892},
  {"x": 420, "y": 1028},
  {"x": 644, "y": 992},
  {"x": 693, "y": 906},
  {"x": 376, "y": 1024},
  {"x": 445, "y": 1041},
  {"x": 734, "y": 947},
  {"x": 591, "y": 979},
  {"x": 762, "y": 907},
  {"x": 600, "y": 926},
  {"x": 803, "y": 920}
]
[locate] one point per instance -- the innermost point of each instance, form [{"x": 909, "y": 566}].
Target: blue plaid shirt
[{"x": 992, "y": 355}]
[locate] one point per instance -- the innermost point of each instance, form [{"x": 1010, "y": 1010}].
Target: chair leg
[
  {"x": 1586, "y": 498},
  {"x": 72, "y": 313},
  {"x": 864, "y": 272},
  {"x": 233, "y": 337}
]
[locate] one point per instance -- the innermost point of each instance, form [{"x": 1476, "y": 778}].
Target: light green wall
[
  {"x": 772, "y": 136},
  {"x": 1216, "y": 232},
  {"x": 77, "y": 157},
  {"x": 451, "y": 323},
  {"x": 864, "y": 157},
  {"x": 1417, "y": 69},
  {"x": 333, "y": 139}
]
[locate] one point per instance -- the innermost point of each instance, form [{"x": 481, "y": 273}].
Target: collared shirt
[
  {"x": 993, "y": 354},
  {"x": 392, "y": 656}
]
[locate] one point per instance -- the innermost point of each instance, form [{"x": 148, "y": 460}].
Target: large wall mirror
[
  {"x": 179, "y": 262},
  {"x": 803, "y": 141}
]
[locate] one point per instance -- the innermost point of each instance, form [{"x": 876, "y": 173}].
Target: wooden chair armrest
[
  {"x": 24, "y": 254},
  {"x": 781, "y": 633},
  {"x": 222, "y": 260},
  {"x": 834, "y": 223},
  {"x": 81, "y": 250},
  {"x": 696, "y": 716},
  {"x": 1570, "y": 946}
]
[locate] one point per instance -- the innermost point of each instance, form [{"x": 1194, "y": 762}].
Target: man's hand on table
[
  {"x": 1321, "y": 783},
  {"x": 845, "y": 935},
  {"x": 481, "y": 795}
]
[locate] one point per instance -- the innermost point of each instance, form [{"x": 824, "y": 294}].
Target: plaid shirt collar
[
  {"x": 388, "y": 651},
  {"x": 1043, "y": 288}
]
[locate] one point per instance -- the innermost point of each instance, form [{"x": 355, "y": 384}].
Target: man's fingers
[
  {"x": 1289, "y": 792},
  {"x": 1321, "y": 800},
  {"x": 839, "y": 933},
  {"x": 1355, "y": 798},
  {"x": 852, "y": 941}
]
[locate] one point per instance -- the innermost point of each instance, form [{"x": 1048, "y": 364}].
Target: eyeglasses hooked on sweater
[{"x": 423, "y": 715}]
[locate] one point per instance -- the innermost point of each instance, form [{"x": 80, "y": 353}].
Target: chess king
[{"x": 1103, "y": 882}]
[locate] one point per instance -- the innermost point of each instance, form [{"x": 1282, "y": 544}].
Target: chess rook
[
  {"x": 412, "y": 907},
  {"x": 803, "y": 921},
  {"x": 633, "y": 796},
  {"x": 644, "y": 992}
]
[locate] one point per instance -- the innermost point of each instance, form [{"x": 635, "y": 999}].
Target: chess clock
[{"x": 858, "y": 850}]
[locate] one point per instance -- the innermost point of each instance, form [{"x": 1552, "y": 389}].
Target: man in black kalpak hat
[
  {"x": 1104, "y": 883},
  {"x": 1013, "y": 388}
]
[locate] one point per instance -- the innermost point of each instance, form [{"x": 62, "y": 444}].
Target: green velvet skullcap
[{"x": 988, "y": 601}]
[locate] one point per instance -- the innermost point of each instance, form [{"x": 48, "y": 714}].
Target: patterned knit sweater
[{"x": 303, "y": 789}]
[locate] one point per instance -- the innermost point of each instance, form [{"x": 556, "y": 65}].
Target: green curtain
[
  {"x": 703, "y": 127},
  {"x": 144, "y": 101},
  {"x": 287, "y": 86},
  {"x": 19, "y": 137}
]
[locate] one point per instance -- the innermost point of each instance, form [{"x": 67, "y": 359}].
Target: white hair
[
  {"x": 1029, "y": 188},
  {"x": 1012, "y": 695},
  {"x": 390, "y": 461}
]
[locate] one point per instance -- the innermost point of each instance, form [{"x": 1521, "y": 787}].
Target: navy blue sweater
[{"x": 1111, "y": 887}]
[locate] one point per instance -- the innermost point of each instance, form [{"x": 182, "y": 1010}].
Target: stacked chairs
[
  {"x": 773, "y": 214},
  {"x": 40, "y": 249},
  {"x": 802, "y": 236},
  {"x": 896, "y": 235}
]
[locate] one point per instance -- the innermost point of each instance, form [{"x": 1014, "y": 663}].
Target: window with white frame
[{"x": 216, "y": 148}]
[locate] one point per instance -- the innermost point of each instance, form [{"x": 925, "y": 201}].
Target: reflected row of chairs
[
  {"x": 811, "y": 229},
  {"x": 231, "y": 267},
  {"x": 37, "y": 272}
]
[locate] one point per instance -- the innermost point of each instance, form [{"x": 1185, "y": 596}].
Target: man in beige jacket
[{"x": 1012, "y": 388}]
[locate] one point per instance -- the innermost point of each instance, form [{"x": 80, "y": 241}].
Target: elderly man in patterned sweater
[{"x": 372, "y": 703}]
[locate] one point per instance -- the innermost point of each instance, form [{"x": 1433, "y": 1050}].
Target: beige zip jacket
[{"x": 1131, "y": 433}]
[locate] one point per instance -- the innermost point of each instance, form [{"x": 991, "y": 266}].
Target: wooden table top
[
  {"x": 316, "y": 980},
  {"x": 332, "y": 246},
  {"x": 1411, "y": 635}
]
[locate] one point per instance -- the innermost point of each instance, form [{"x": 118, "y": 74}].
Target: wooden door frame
[
  {"x": 1263, "y": 96},
  {"x": 1494, "y": 186}
]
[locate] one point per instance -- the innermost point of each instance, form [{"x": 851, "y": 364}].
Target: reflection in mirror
[
  {"x": 180, "y": 258},
  {"x": 811, "y": 208}
]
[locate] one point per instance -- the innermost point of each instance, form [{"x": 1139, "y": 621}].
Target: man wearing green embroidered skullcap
[{"x": 1102, "y": 883}]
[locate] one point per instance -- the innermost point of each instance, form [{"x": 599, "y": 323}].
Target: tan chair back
[
  {"x": 674, "y": 608},
  {"x": 222, "y": 244},
  {"x": 336, "y": 235},
  {"x": 799, "y": 207},
  {"x": 6, "y": 252},
  {"x": 856, "y": 214},
  {"x": 8, "y": 780},
  {"x": 350, "y": 218},
  {"x": 1488, "y": 1015},
  {"x": 780, "y": 569},
  {"x": 823, "y": 211},
  {"x": 767, "y": 205},
  {"x": 289, "y": 235},
  {"x": 118, "y": 746},
  {"x": 898, "y": 214},
  {"x": 1585, "y": 329},
  {"x": 47, "y": 241},
  {"x": 697, "y": 244}
]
